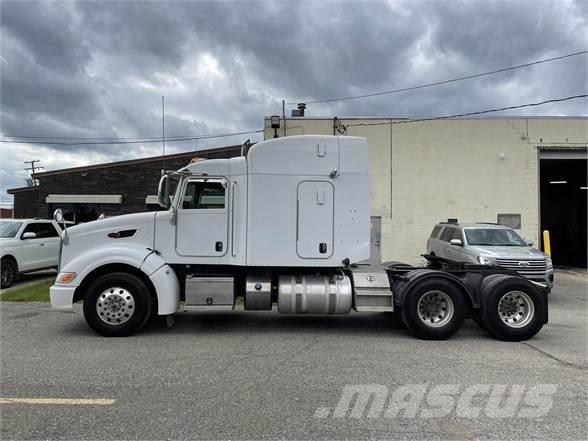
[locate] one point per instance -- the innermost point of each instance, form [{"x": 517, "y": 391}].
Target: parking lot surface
[{"x": 259, "y": 375}]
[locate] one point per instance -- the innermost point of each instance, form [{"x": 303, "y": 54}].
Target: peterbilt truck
[{"x": 285, "y": 226}]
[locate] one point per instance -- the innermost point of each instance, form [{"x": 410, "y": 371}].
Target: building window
[
  {"x": 82, "y": 212},
  {"x": 510, "y": 220}
]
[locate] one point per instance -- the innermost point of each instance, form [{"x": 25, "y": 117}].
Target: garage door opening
[{"x": 563, "y": 206}]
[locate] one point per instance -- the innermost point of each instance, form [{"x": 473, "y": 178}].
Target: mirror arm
[{"x": 174, "y": 213}]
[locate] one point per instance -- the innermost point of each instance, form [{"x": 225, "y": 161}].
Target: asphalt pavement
[{"x": 260, "y": 375}]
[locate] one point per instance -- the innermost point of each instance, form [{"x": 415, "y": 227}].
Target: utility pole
[
  {"x": 284, "y": 115},
  {"x": 32, "y": 168}
]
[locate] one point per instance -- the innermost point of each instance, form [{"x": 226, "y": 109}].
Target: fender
[
  {"x": 402, "y": 286},
  {"x": 11, "y": 254},
  {"x": 162, "y": 276},
  {"x": 166, "y": 284}
]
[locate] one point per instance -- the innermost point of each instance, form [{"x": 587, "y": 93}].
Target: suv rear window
[
  {"x": 448, "y": 233},
  {"x": 435, "y": 231}
]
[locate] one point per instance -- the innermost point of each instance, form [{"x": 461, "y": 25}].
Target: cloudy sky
[{"x": 98, "y": 69}]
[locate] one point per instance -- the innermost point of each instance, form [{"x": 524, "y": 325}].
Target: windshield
[
  {"x": 494, "y": 237},
  {"x": 9, "y": 229}
]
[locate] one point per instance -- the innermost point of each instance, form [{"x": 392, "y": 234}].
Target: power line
[
  {"x": 480, "y": 112},
  {"x": 189, "y": 138},
  {"x": 103, "y": 138},
  {"x": 138, "y": 140},
  {"x": 438, "y": 83}
]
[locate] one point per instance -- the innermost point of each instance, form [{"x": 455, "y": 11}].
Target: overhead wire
[
  {"x": 438, "y": 83},
  {"x": 479, "y": 112},
  {"x": 172, "y": 139}
]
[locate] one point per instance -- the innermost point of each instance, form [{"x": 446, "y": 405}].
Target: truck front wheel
[
  {"x": 511, "y": 309},
  {"x": 434, "y": 309},
  {"x": 117, "y": 304}
]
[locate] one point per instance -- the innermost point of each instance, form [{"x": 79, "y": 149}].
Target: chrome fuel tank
[{"x": 314, "y": 294}]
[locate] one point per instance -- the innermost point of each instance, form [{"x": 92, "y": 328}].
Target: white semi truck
[{"x": 288, "y": 225}]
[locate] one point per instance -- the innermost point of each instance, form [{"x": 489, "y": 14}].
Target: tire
[
  {"x": 9, "y": 273},
  {"x": 511, "y": 308},
  {"x": 117, "y": 305},
  {"x": 423, "y": 308}
]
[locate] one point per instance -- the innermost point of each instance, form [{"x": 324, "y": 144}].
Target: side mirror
[
  {"x": 530, "y": 243},
  {"x": 58, "y": 216},
  {"x": 29, "y": 235},
  {"x": 456, "y": 242},
  {"x": 163, "y": 192}
]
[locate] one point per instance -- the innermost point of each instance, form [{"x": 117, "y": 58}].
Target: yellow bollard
[{"x": 546, "y": 242}]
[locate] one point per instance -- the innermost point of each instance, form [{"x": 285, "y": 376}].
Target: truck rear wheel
[
  {"x": 117, "y": 305},
  {"x": 511, "y": 309},
  {"x": 434, "y": 309}
]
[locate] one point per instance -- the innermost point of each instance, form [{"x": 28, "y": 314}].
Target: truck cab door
[{"x": 202, "y": 218}]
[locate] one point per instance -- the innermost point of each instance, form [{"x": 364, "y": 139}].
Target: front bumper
[
  {"x": 547, "y": 279},
  {"x": 62, "y": 297}
]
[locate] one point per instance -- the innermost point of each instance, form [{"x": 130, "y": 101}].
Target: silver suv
[{"x": 490, "y": 244}]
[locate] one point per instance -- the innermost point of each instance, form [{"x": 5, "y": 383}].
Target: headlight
[
  {"x": 549, "y": 262},
  {"x": 485, "y": 260}
]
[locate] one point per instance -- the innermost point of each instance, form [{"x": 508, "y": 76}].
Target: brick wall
[
  {"x": 134, "y": 181},
  {"x": 28, "y": 203}
]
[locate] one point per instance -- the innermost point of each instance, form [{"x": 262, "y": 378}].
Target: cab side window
[
  {"x": 204, "y": 195},
  {"x": 435, "y": 232}
]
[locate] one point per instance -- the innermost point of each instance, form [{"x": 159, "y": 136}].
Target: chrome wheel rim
[
  {"x": 435, "y": 308},
  {"x": 115, "y": 305},
  {"x": 516, "y": 309}
]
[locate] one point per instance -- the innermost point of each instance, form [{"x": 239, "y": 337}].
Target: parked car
[
  {"x": 490, "y": 244},
  {"x": 27, "y": 245}
]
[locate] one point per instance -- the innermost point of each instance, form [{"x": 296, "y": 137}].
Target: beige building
[{"x": 529, "y": 172}]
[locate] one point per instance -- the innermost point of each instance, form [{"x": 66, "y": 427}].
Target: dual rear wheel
[
  {"x": 511, "y": 308},
  {"x": 434, "y": 309}
]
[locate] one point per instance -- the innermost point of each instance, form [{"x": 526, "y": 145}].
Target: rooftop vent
[{"x": 300, "y": 110}]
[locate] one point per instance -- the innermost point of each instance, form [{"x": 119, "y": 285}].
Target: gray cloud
[{"x": 98, "y": 69}]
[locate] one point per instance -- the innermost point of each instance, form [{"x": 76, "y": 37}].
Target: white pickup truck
[
  {"x": 27, "y": 245},
  {"x": 288, "y": 225}
]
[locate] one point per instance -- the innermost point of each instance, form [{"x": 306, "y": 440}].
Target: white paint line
[{"x": 68, "y": 401}]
